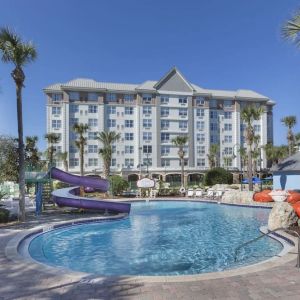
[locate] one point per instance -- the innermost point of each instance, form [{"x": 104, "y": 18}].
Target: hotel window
[
  {"x": 228, "y": 151},
  {"x": 74, "y": 162},
  {"x": 73, "y": 135},
  {"x": 165, "y": 137},
  {"x": 73, "y": 121},
  {"x": 147, "y": 136},
  {"x": 93, "y": 162},
  {"x": 128, "y": 136},
  {"x": 57, "y": 149},
  {"x": 147, "y": 149},
  {"x": 213, "y": 114},
  {"x": 74, "y": 96},
  {"x": 200, "y": 125},
  {"x": 93, "y": 109},
  {"x": 92, "y": 135},
  {"x": 111, "y": 123},
  {"x": 227, "y": 115},
  {"x": 201, "y": 162},
  {"x": 201, "y": 150},
  {"x": 92, "y": 149},
  {"x": 182, "y": 112},
  {"x": 227, "y": 103},
  {"x": 256, "y": 128},
  {"x": 129, "y": 123},
  {"x": 227, "y": 127},
  {"x": 200, "y": 101},
  {"x": 128, "y": 97},
  {"x": 164, "y": 99},
  {"x": 129, "y": 162},
  {"x": 147, "y": 110},
  {"x": 56, "y": 110},
  {"x": 92, "y": 97},
  {"x": 164, "y": 124},
  {"x": 164, "y": 112},
  {"x": 200, "y": 112},
  {"x": 213, "y": 103},
  {"x": 57, "y": 97},
  {"x": 111, "y": 110},
  {"x": 113, "y": 148},
  {"x": 113, "y": 162},
  {"x": 213, "y": 126},
  {"x": 201, "y": 137},
  {"x": 147, "y": 98},
  {"x": 73, "y": 149},
  {"x": 129, "y": 149},
  {"x": 182, "y": 100},
  {"x": 165, "y": 150},
  {"x": 165, "y": 162},
  {"x": 147, "y": 161},
  {"x": 243, "y": 127},
  {"x": 129, "y": 110},
  {"x": 93, "y": 122},
  {"x": 228, "y": 138},
  {"x": 56, "y": 124},
  {"x": 147, "y": 123},
  {"x": 111, "y": 97},
  {"x": 183, "y": 124},
  {"x": 214, "y": 139},
  {"x": 74, "y": 108},
  {"x": 185, "y": 162}
]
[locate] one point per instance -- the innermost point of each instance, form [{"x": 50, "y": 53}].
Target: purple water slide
[{"x": 69, "y": 196}]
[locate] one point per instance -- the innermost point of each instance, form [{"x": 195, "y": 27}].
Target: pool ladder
[{"x": 267, "y": 233}]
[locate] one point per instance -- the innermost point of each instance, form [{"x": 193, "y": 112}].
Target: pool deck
[{"x": 277, "y": 279}]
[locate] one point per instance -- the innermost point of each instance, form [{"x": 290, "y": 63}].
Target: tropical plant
[
  {"x": 118, "y": 184},
  {"x": 19, "y": 53},
  {"x": 218, "y": 176},
  {"x": 275, "y": 153},
  {"x": 212, "y": 155},
  {"x": 52, "y": 138},
  {"x": 32, "y": 156},
  {"x": 249, "y": 114},
  {"x": 290, "y": 122},
  {"x": 244, "y": 158},
  {"x": 291, "y": 29},
  {"x": 107, "y": 138},
  {"x": 81, "y": 129},
  {"x": 63, "y": 156},
  {"x": 180, "y": 141}
]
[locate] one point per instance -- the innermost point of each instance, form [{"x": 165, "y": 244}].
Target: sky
[{"x": 216, "y": 44}]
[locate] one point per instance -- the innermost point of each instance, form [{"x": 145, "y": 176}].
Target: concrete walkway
[{"x": 22, "y": 281}]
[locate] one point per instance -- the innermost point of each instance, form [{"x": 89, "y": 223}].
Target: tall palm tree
[
  {"x": 212, "y": 155},
  {"x": 81, "y": 130},
  {"x": 63, "y": 156},
  {"x": 107, "y": 138},
  {"x": 290, "y": 122},
  {"x": 180, "y": 142},
  {"x": 52, "y": 138},
  {"x": 19, "y": 53},
  {"x": 248, "y": 115},
  {"x": 291, "y": 29}
]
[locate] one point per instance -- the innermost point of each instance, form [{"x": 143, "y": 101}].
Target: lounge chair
[
  {"x": 210, "y": 194},
  {"x": 219, "y": 194},
  {"x": 199, "y": 193},
  {"x": 190, "y": 193}
]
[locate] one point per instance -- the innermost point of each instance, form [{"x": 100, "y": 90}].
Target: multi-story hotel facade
[{"x": 148, "y": 116}]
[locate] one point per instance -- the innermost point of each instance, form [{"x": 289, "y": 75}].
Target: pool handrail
[{"x": 267, "y": 233}]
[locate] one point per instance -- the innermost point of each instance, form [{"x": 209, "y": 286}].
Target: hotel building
[{"x": 148, "y": 116}]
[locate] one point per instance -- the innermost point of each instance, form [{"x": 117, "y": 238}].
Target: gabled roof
[{"x": 291, "y": 163}]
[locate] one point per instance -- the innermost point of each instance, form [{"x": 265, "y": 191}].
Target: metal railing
[{"x": 267, "y": 233}]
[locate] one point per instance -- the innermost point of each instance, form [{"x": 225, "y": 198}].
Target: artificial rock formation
[{"x": 282, "y": 215}]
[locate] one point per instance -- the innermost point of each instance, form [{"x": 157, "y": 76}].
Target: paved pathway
[{"x": 20, "y": 281}]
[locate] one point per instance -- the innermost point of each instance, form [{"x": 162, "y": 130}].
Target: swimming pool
[{"x": 160, "y": 238}]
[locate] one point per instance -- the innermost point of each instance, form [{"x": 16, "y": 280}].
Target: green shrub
[
  {"x": 218, "y": 176},
  {"x": 4, "y": 215},
  {"x": 117, "y": 185}
]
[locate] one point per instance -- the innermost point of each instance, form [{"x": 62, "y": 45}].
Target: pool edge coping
[{"x": 12, "y": 252}]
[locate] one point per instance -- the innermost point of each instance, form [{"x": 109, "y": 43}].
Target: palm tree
[
  {"x": 32, "y": 156},
  {"x": 248, "y": 115},
  {"x": 256, "y": 153},
  {"x": 107, "y": 138},
  {"x": 212, "y": 156},
  {"x": 244, "y": 158},
  {"x": 63, "y": 156},
  {"x": 19, "y": 53},
  {"x": 52, "y": 138},
  {"x": 290, "y": 122},
  {"x": 275, "y": 153},
  {"x": 291, "y": 29},
  {"x": 180, "y": 142},
  {"x": 81, "y": 130}
]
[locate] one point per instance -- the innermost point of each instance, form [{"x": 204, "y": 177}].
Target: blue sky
[{"x": 216, "y": 44}]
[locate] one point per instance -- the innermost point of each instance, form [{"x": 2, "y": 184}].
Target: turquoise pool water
[{"x": 160, "y": 238}]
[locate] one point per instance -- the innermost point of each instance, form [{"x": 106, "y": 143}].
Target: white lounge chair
[
  {"x": 219, "y": 194},
  {"x": 210, "y": 194},
  {"x": 190, "y": 193},
  {"x": 199, "y": 193}
]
